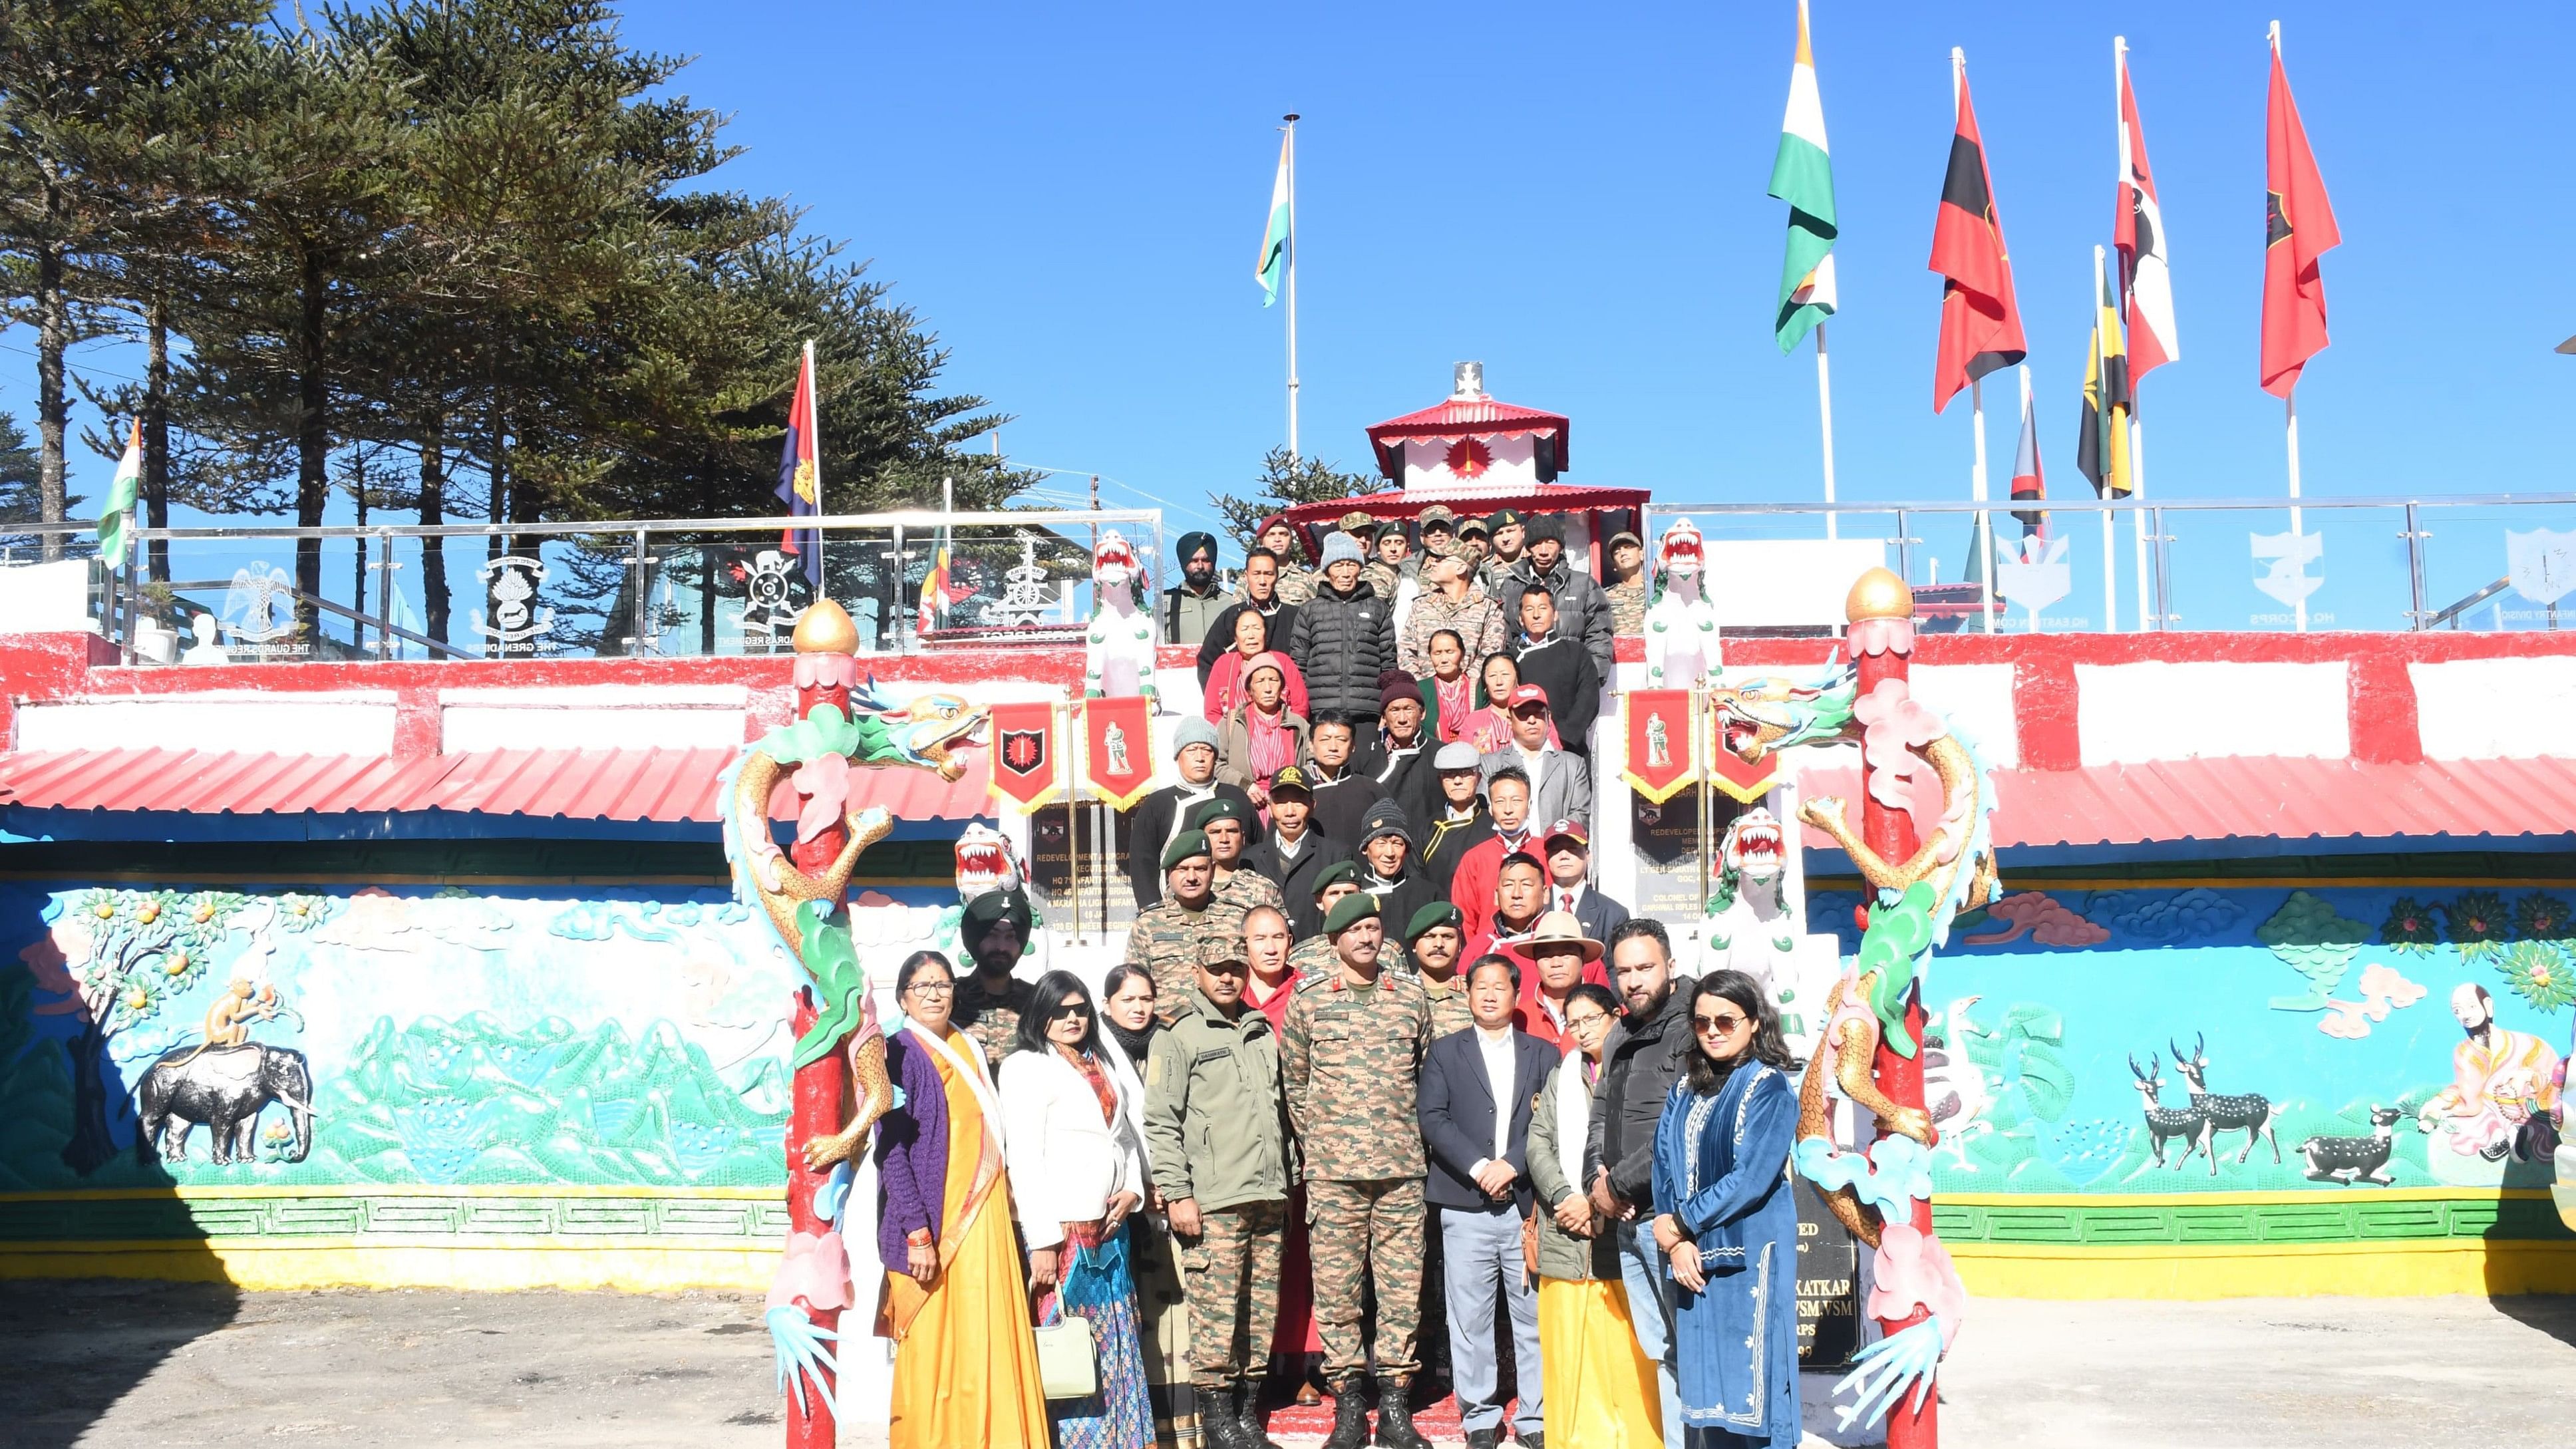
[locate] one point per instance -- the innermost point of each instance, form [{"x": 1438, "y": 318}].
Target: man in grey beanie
[
  {"x": 1343, "y": 639},
  {"x": 1165, "y": 813}
]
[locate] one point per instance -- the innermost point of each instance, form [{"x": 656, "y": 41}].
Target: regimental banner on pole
[
  {"x": 1118, "y": 748},
  {"x": 1746, "y": 781},
  {"x": 1661, "y": 760},
  {"x": 1026, "y": 771}
]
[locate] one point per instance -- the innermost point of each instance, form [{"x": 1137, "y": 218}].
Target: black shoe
[
  {"x": 1530, "y": 1439},
  {"x": 1395, "y": 1418},
  {"x": 1218, "y": 1428},
  {"x": 1484, "y": 1438},
  {"x": 1350, "y": 1418},
  {"x": 1248, "y": 1416}
]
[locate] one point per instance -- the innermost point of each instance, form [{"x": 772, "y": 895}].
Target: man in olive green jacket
[{"x": 1216, "y": 1132}]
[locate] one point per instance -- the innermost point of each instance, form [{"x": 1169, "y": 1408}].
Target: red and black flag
[
  {"x": 2138, "y": 236},
  {"x": 2299, "y": 229},
  {"x": 1980, "y": 322}
]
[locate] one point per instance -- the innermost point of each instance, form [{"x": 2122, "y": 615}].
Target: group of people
[
  {"x": 1400, "y": 652},
  {"x": 1384, "y": 1083}
]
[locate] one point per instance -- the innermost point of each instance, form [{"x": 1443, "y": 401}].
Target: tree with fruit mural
[{"x": 118, "y": 957}]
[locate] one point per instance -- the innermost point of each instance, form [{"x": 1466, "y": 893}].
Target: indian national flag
[
  {"x": 1803, "y": 176},
  {"x": 116, "y": 519},
  {"x": 1274, "y": 241}
]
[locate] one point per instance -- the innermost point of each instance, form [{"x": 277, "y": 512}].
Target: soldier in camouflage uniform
[
  {"x": 1296, "y": 582},
  {"x": 1471, "y": 614},
  {"x": 1165, "y": 939},
  {"x": 1314, "y": 955},
  {"x": 1218, "y": 1139},
  {"x": 1228, "y": 824},
  {"x": 1350, "y": 1056},
  {"x": 995, "y": 928},
  {"x": 1627, "y": 596},
  {"x": 1433, "y": 938},
  {"x": 1386, "y": 574}
]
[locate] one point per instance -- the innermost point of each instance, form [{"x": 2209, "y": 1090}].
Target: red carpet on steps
[{"x": 1437, "y": 1419}]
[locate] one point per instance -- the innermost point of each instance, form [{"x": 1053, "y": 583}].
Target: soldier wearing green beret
[
  {"x": 1165, "y": 939},
  {"x": 1314, "y": 955},
  {"x": 1434, "y": 938},
  {"x": 1351, "y": 1052},
  {"x": 1228, "y": 825}
]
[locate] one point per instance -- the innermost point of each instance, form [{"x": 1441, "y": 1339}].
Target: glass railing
[
  {"x": 2490, "y": 562},
  {"x": 913, "y": 582}
]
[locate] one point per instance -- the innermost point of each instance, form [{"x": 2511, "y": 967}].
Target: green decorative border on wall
[
  {"x": 408, "y": 1217},
  {"x": 2513, "y": 1215}
]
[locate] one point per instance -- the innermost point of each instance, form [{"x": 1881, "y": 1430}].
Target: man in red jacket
[{"x": 1471, "y": 890}]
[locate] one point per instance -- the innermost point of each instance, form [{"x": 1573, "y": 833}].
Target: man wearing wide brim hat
[
  {"x": 1555, "y": 958},
  {"x": 1350, "y": 1056}
]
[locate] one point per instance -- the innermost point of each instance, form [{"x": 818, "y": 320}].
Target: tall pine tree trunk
[
  {"x": 53, "y": 412},
  {"x": 312, "y": 439},
  {"x": 156, "y": 431},
  {"x": 433, "y": 549}
]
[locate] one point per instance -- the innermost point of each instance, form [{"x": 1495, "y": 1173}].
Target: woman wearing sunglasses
[
  {"x": 1726, "y": 1220},
  {"x": 1077, "y": 1162}
]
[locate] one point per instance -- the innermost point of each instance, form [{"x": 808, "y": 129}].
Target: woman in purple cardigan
[{"x": 965, "y": 1363}]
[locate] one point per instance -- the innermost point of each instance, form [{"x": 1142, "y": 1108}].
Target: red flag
[
  {"x": 2138, "y": 232},
  {"x": 1024, "y": 763},
  {"x": 2299, "y": 228},
  {"x": 1660, "y": 763},
  {"x": 1980, "y": 322},
  {"x": 1118, "y": 748}
]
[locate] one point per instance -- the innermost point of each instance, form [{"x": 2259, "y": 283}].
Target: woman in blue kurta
[{"x": 1726, "y": 1220}]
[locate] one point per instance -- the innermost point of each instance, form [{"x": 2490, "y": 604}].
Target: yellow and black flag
[{"x": 2102, "y": 451}]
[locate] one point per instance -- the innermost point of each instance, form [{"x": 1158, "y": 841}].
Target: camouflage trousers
[
  {"x": 1232, "y": 1276},
  {"x": 1364, "y": 1233}
]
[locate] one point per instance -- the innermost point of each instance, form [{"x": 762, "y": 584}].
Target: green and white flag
[
  {"x": 115, "y": 520},
  {"x": 1274, "y": 242},
  {"x": 1803, "y": 176}
]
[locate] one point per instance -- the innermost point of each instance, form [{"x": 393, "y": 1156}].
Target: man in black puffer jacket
[{"x": 1344, "y": 638}]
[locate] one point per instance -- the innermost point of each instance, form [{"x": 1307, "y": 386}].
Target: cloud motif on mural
[
  {"x": 2315, "y": 940},
  {"x": 376, "y": 919},
  {"x": 2383, "y": 989},
  {"x": 2163, "y": 918},
  {"x": 2045, "y": 919}
]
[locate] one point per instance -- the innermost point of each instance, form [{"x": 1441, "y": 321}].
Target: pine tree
[{"x": 1286, "y": 481}]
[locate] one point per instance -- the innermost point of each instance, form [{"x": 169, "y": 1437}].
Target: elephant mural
[{"x": 224, "y": 1088}]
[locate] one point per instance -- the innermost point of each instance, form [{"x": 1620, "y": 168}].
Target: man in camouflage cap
[
  {"x": 1223, "y": 1161},
  {"x": 1350, "y": 1055},
  {"x": 1296, "y": 581},
  {"x": 1227, "y": 824},
  {"x": 1165, "y": 939},
  {"x": 1439, "y": 526}
]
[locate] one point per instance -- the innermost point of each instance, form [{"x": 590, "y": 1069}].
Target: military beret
[
  {"x": 1389, "y": 530},
  {"x": 1334, "y": 874},
  {"x": 1221, "y": 807},
  {"x": 1184, "y": 845},
  {"x": 1349, "y": 911},
  {"x": 1502, "y": 518},
  {"x": 1431, "y": 918}
]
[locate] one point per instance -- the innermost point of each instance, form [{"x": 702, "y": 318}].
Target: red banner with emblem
[
  {"x": 1118, "y": 748},
  {"x": 1026, "y": 771},
  {"x": 1660, "y": 763},
  {"x": 1748, "y": 781}
]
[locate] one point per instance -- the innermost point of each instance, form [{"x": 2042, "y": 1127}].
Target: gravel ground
[{"x": 123, "y": 1365}]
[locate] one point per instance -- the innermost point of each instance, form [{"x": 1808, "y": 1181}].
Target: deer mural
[
  {"x": 2251, "y": 1113},
  {"x": 2354, "y": 1160},
  {"x": 2163, "y": 1122}
]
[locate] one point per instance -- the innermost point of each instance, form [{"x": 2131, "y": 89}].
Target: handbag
[{"x": 1068, "y": 1357}]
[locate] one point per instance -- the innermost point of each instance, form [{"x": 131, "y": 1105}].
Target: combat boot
[
  {"x": 1350, "y": 1417},
  {"x": 1256, "y": 1435},
  {"x": 1219, "y": 1427},
  {"x": 1395, "y": 1418}
]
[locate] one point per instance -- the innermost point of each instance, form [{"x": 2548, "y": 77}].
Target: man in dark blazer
[
  {"x": 1478, "y": 1088},
  {"x": 1569, "y": 881},
  {"x": 1160, "y": 816}
]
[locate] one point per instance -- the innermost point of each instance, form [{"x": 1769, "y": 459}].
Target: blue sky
[{"x": 1071, "y": 197}]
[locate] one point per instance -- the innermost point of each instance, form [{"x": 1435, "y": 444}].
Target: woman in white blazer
[{"x": 1077, "y": 1169}]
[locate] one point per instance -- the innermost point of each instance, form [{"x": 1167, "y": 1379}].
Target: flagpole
[
  {"x": 1825, "y": 415},
  {"x": 2290, "y": 413},
  {"x": 2137, "y": 469},
  {"x": 1291, "y": 119}
]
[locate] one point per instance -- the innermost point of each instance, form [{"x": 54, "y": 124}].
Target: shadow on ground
[{"x": 75, "y": 1348}]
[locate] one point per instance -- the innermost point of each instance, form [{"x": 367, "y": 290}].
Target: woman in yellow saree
[{"x": 965, "y": 1363}]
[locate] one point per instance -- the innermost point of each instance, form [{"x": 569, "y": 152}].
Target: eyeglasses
[
  {"x": 932, "y": 988},
  {"x": 1718, "y": 1025},
  {"x": 1579, "y": 1023},
  {"x": 1064, "y": 1013}
]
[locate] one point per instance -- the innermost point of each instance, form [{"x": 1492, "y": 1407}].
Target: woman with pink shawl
[
  {"x": 1261, "y": 736},
  {"x": 1225, "y": 677}
]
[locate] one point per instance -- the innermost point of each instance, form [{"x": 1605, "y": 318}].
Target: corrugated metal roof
[
  {"x": 2264, "y": 797},
  {"x": 1471, "y": 415},
  {"x": 657, "y": 785}
]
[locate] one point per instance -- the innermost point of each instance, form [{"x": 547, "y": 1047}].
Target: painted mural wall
[{"x": 2195, "y": 1039}]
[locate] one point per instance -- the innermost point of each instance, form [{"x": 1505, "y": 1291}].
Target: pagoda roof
[{"x": 1472, "y": 415}]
